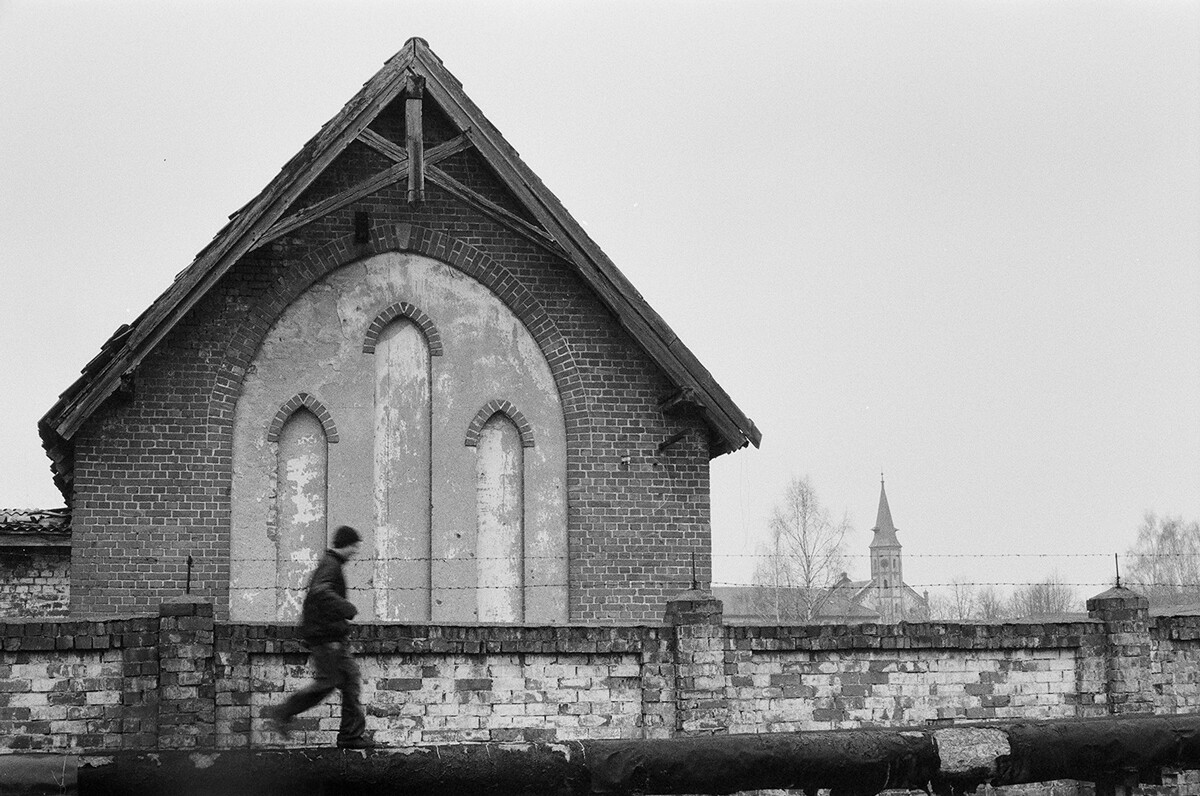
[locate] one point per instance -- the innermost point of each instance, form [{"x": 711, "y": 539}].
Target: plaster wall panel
[{"x": 316, "y": 347}]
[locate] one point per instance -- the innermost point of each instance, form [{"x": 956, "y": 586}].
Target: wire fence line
[
  {"x": 489, "y": 587},
  {"x": 630, "y": 563},
  {"x": 659, "y": 555},
  {"x": 1109, "y": 582},
  {"x": 740, "y": 584},
  {"x": 986, "y": 555},
  {"x": 414, "y": 559}
]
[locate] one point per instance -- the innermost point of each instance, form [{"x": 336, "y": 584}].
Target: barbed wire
[
  {"x": 682, "y": 565},
  {"x": 659, "y": 556},
  {"x": 982, "y": 555},
  {"x": 367, "y": 589},
  {"x": 946, "y": 555},
  {"x": 933, "y": 585},
  {"x": 410, "y": 559},
  {"x": 729, "y": 584}
]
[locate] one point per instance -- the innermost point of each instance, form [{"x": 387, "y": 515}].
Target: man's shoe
[
  {"x": 356, "y": 743},
  {"x": 277, "y": 721}
]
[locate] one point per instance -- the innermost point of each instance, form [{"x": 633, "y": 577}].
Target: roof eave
[
  {"x": 592, "y": 264},
  {"x": 121, "y": 356},
  {"x": 234, "y": 240}
]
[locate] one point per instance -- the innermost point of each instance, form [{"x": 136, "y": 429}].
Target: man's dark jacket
[{"x": 327, "y": 613}]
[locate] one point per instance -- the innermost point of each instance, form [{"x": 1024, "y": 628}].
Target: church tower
[{"x": 887, "y": 576}]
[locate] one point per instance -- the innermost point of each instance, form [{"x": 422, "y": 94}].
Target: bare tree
[
  {"x": 802, "y": 557},
  {"x": 958, "y": 603},
  {"x": 1164, "y": 562},
  {"x": 1049, "y": 597},
  {"x": 967, "y": 602},
  {"x": 991, "y": 605}
]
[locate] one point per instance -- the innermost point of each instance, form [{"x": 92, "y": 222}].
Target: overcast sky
[{"x": 955, "y": 242}]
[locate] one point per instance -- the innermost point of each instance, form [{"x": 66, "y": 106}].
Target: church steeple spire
[
  {"x": 887, "y": 571},
  {"x": 885, "y": 531}
]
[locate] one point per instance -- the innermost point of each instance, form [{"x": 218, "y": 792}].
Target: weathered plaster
[
  {"x": 402, "y": 473},
  {"x": 500, "y": 507},
  {"x": 315, "y": 347},
  {"x": 301, "y": 506}
]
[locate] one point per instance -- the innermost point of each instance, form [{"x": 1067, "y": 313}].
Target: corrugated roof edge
[{"x": 42, "y": 521}]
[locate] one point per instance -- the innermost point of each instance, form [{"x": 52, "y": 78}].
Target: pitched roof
[
  {"x": 248, "y": 228},
  {"x": 885, "y": 531},
  {"x": 844, "y": 600},
  {"x": 35, "y": 527}
]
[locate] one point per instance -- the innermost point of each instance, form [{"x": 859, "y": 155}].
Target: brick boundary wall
[
  {"x": 180, "y": 680},
  {"x": 79, "y": 684},
  {"x": 435, "y": 684}
]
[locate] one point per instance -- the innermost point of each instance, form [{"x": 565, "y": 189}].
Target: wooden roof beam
[
  {"x": 504, "y": 218},
  {"x": 414, "y": 137},
  {"x": 368, "y": 186}
]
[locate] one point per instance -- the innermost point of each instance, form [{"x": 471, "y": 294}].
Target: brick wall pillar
[
  {"x": 187, "y": 704},
  {"x": 658, "y": 684},
  {"x": 139, "y": 681},
  {"x": 1126, "y": 618},
  {"x": 701, "y": 707}
]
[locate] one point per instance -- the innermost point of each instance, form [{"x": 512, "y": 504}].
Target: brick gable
[{"x": 150, "y": 469}]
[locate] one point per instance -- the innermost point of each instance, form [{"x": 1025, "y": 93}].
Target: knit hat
[{"x": 345, "y": 536}]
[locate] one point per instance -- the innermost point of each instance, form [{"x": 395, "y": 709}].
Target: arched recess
[
  {"x": 403, "y": 309},
  {"x": 301, "y": 506},
  {"x": 311, "y": 404},
  {"x": 402, "y": 472},
  {"x": 500, "y": 406},
  {"x": 500, "y": 521}
]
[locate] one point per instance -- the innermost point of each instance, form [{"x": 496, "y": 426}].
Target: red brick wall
[{"x": 153, "y": 474}]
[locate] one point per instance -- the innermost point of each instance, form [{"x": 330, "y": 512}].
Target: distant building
[
  {"x": 884, "y": 598},
  {"x": 35, "y": 562}
]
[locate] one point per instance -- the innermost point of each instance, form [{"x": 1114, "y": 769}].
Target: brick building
[
  {"x": 35, "y": 562},
  {"x": 405, "y": 332}
]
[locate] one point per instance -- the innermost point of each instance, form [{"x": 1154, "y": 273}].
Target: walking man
[{"x": 324, "y": 626}]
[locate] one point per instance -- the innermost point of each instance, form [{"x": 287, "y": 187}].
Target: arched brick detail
[
  {"x": 403, "y": 309},
  {"x": 306, "y": 401},
  {"x": 505, "y": 408},
  {"x": 474, "y": 262}
]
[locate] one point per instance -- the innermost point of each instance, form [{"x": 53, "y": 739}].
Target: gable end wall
[{"x": 153, "y": 473}]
